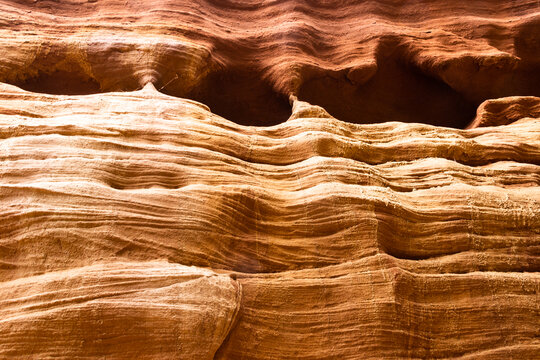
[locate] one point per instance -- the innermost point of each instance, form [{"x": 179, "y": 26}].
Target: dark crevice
[
  {"x": 219, "y": 354},
  {"x": 525, "y": 81},
  {"x": 397, "y": 92},
  {"x": 242, "y": 96},
  {"x": 60, "y": 82}
]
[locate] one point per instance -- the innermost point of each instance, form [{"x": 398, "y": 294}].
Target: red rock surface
[{"x": 150, "y": 211}]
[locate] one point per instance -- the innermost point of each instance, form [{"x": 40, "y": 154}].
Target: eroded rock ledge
[{"x": 393, "y": 240}]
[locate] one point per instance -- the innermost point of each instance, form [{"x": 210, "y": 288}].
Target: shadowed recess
[
  {"x": 397, "y": 92},
  {"x": 242, "y": 96},
  {"x": 60, "y": 82}
]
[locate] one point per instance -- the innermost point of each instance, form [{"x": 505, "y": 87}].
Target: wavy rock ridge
[{"x": 138, "y": 223}]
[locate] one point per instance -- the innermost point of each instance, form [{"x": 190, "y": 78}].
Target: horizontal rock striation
[
  {"x": 118, "y": 310},
  {"x": 149, "y": 211},
  {"x": 392, "y": 240}
]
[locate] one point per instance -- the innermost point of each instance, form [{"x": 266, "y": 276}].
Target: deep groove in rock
[{"x": 398, "y": 91}]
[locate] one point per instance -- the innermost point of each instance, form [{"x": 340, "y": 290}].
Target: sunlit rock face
[{"x": 269, "y": 179}]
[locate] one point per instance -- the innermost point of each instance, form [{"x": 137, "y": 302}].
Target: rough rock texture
[
  {"x": 136, "y": 222},
  {"x": 135, "y": 310}
]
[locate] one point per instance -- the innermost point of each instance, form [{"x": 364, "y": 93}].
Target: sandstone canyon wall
[{"x": 276, "y": 179}]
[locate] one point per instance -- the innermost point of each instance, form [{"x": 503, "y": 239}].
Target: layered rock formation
[{"x": 149, "y": 211}]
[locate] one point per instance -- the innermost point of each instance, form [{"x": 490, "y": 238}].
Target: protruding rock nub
[
  {"x": 149, "y": 87},
  {"x": 148, "y": 77},
  {"x": 504, "y": 111},
  {"x": 303, "y": 109}
]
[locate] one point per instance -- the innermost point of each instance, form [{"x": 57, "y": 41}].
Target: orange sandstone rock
[{"x": 269, "y": 179}]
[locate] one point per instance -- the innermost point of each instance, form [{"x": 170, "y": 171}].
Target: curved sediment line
[
  {"x": 377, "y": 293},
  {"x": 248, "y": 228},
  {"x": 292, "y": 142},
  {"x": 153, "y": 171},
  {"x": 174, "y": 181},
  {"x": 430, "y": 310},
  {"x": 122, "y": 302}
]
